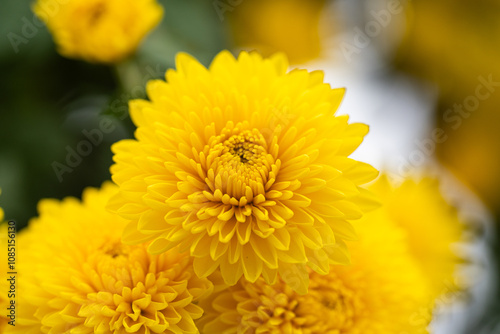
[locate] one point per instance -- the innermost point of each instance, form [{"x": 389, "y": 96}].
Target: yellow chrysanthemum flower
[
  {"x": 244, "y": 165},
  {"x": 102, "y": 31},
  {"x": 432, "y": 227},
  {"x": 76, "y": 276},
  {"x": 381, "y": 292}
]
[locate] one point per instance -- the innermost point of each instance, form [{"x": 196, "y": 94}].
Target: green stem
[{"x": 128, "y": 74}]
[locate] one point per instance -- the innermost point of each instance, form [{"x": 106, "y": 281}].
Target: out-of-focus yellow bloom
[
  {"x": 288, "y": 26},
  {"x": 453, "y": 54},
  {"x": 76, "y": 276},
  {"x": 474, "y": 145},
  {"x": 102, "y": 31},
  {"x": 383, "y": 291},
  {"x": 244, "y": 165},
  {"x": 431, "y": 227}
]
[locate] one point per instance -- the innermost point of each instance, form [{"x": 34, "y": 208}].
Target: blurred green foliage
[{"x": 49, "y": 103}]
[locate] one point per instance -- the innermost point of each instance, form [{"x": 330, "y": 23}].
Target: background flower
[
  {"x": 382, "y": 291},
  {"x": 246, "y": 166},
  {"x": 431, "y": 225},
  {"x": 75, "y": 275},
  {"x": 104, "y": 31},
  {"x": 453, "y": 54}
]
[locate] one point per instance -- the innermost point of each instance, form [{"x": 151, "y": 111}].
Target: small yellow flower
[
  {"x": 101, "y": 31},
  {"x": 431, "y": 226},
  {"x": 76, "y": 276},
  {"x": 244, "y": 165},
  {"x": 381, "y": 292}
]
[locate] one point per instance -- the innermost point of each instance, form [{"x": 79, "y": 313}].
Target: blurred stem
[{"x": 128, "y": 74}]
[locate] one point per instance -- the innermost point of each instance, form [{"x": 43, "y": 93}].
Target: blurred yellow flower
[
  {"x": 101, "y": 31},
  {"x": 460, "y": 57},
  {"x": 431, "y": 226},
  {"x": 270, "y": 26},
  {"x": 381, "y": 292},
  {"x": 244, "y": 165},
  {"x": 76, "y": 276}
]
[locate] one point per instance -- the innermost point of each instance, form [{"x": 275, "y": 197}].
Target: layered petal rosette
[
  {"x": 75, "y": 275},
  {"x": 381, "y": 292},
  {"x": 244, "y": 165}
]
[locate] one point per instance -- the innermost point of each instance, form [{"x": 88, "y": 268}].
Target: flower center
[
  {"x": 244, "y": 152},
  {"x": 240, "y": 163},
  {"x": 115, "y": 249},
  {"x": 330, "y": 305},
  {"x": 96, "y": 12}
]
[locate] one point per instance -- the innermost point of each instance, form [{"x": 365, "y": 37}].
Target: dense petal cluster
[
  {"x": 76, "y": 276},
  {"x": 381, "y": 292},
  {"x": 104, "y": 31},
  {"x": 246, "y": 166},
  {"x": 431, "y": 225}
]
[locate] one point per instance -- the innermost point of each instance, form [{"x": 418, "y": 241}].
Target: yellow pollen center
[
  {"x": 95, "y": 13},
  {"x": 332, "y": 303},
  {"x": 115, "y": 249},
  {"x": 241, "y": 163},
  {"x": 244, "y": 150},
  {"x": 329, "y": 307}
]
